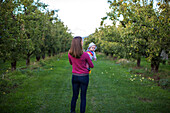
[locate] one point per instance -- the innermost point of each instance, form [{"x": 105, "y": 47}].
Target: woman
[{"x": 80, "y": 73}]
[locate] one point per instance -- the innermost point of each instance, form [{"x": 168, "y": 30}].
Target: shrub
[{"x": 164, "y": 83}]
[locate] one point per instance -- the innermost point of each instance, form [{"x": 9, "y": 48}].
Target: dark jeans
[{"x": 79, "y": 82}]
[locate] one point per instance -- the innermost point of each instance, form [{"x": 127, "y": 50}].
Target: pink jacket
[{"x": 79, "y": 64}]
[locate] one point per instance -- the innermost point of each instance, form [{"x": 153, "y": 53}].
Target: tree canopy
[{"x": 27, "y": 28}]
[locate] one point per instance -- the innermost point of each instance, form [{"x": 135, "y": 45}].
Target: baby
[{"x": 91, "y": 52}]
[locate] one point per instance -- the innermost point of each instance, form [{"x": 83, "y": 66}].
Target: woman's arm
[
  {"x": 89, "y": 61},
  {"x": 69, "y": 57}
]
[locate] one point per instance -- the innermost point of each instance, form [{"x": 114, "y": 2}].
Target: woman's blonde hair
[{"x": 76, "y": 49}]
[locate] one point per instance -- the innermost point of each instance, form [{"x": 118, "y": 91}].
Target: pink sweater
[{"x": 79, "y": 64}]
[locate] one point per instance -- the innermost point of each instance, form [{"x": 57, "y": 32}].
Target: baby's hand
[{"x": 87, "y": 65}]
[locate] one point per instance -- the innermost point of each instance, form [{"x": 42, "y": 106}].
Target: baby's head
[{"x": 92, "y": 47}]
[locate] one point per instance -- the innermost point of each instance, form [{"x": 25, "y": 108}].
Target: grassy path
[{"x": 111, "y": 90}]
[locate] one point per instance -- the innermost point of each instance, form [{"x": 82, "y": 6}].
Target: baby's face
[{"x": 92, "y": 48}]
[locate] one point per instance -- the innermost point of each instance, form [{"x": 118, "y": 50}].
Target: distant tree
[
  {"x": 26, "y": 30},
  {"x": 143, "y": 28},
  {"x": 10, "y": 43}
]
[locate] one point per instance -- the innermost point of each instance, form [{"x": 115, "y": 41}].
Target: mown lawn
[{"x": 46, "y": 88}]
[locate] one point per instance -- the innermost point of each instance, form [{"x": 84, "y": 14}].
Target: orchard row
[
  {"x": 143, "y": 31},
  {"x": 27, "y": 28}
]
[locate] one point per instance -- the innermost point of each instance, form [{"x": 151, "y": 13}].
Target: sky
[{"x": 82, "y": 17}]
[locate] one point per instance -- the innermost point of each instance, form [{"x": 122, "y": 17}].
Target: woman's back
[{"x": 79, "y": 64}]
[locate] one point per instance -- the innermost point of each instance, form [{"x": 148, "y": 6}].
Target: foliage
[
  {"x": 107, "y": 40},
  {"x": 143, "y": 31},
  {"x": 28, "y": 28}
]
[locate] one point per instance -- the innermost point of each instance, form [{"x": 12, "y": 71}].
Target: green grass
[
  {"x": 4, "y": 67},
  {"x": 45, "y": 87},
  {"x": 162, "y": 77}
]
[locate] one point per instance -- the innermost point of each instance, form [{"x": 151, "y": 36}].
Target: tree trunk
[
  {"x": 13, "y": 65},
  {"x": 54, "y": 52},
  {"x": 152, "y": 65},
  {"x": 4, "y": 60},
  {"x": 43, "y": 52},
  {"x": 38, "y": 58},
  {"x": 107, "y": 54},
  {"x": 49, "y": 53},
  {"x": 43, "y": 56},
  {"x": 138, "y": 61},
  {"x": 155, "y": 64},
  {"x": 28, "y": 61},
  {"x": 111, "y": 54},
  {"x": 164, "y": 62}
]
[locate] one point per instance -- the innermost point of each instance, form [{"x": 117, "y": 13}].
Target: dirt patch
[
  {"x": 34, "y": 68},
  {"x": 145, "y": 99},
  {"x": 99, "y": 53},
  {"x": 23, "y": 68},
  {"x": 156, "y": 77},
  {"x": 137, "y": 67},
  {"x": 122, "y": 61},
  {"x": 139, "y": 73}
]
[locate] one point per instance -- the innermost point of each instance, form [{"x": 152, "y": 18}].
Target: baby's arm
[{"x": 89, "y": 62}]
